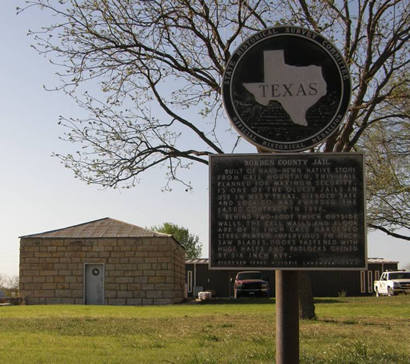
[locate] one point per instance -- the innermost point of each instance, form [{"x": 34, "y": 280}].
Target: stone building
[{"x": 104, "y": 261}]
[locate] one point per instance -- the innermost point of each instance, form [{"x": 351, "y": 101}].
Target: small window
[
  {"x": 189, "y": 281},
  {"x": 370, "y": 281},
  {"x": 362, "y": 281}
]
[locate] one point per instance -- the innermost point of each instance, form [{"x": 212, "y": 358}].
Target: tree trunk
[{"x": 306, "y": 305}]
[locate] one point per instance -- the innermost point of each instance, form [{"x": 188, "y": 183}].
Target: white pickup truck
[{"x": 392, "y": 283}]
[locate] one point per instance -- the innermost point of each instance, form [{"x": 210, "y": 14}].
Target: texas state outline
[{"x": 296, "y": 88}]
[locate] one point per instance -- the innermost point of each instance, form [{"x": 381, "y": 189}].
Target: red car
[{"x": 250, "y": 283}]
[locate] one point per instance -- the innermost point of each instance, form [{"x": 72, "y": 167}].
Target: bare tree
[
  {"x": 159, "y": 64},
  {"x": 9, "y": 284},
  {"x": 3, "y": 281}
]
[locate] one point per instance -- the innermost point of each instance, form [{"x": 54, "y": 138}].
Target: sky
[{"x": 38, "y": 194}]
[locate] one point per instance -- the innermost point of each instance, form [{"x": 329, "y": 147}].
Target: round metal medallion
[
  {"x": 95, "y": 272},
  {"x": 286, "y": 89}
]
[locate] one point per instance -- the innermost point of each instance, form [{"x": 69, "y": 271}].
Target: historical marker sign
[
  {"x": 287, "y": 211},
  {"x": 286, "y": 89}
]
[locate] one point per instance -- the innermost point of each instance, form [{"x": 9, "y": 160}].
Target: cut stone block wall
[{"x": 137, "y": 271}]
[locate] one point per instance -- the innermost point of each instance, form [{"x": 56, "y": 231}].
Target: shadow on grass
[
  {"x": 257, "y": 300},
  {"x": 338, "y": 322},
  {"x": 239, "y": 301},
  {"x": 354, "y": 322},
  {"x": 328, "y": 300}
]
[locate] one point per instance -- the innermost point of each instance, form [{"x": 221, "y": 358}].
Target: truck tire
[
  {"x": 390, "y": 291},
  {"x": 377, "y": 292}
]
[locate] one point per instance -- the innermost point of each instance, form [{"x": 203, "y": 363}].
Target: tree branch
[{"x": 388, "y": 232}]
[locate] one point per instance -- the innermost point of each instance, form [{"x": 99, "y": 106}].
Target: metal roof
[
  {"x": 381, "y": 260},
  {"x": 102, "y": 228},
  {"x": 197, "y": 261}
]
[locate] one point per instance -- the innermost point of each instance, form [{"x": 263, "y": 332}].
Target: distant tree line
[{"x": 9, "y": 285}]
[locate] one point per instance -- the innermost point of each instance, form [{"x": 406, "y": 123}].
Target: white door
[{"x": 94, "y": 284}]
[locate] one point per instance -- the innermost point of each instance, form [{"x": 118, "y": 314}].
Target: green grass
[{"x": 348, "y": 330}]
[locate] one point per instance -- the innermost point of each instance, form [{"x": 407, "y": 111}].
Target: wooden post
[{"x": 287, "y": 317}]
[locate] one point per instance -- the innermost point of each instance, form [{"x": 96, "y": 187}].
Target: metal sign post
[
  {"x": 287, "y": 317},
  {"x": 289, "y": 212},
  {"x": 286, "y": 89}
]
